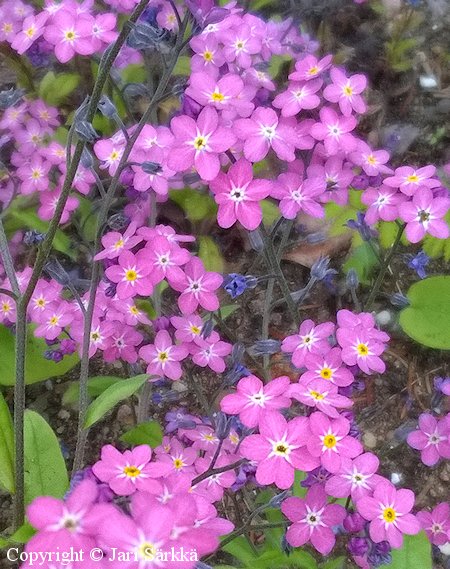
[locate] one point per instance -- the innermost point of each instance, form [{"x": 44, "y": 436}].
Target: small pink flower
[
  {"x": 166, "y": 260},
  {"x": 330, "y": 441},
  {"x": 310, "y": 339},
  {"x": 70, "y": 34},
  {"x": 129, "y": 471},
  {"x": 208, "y": 56},
  {"x": 425, "y": 214},
  {"x": 34, "y": 175},
  {"x": 239, "y": 45},
  {"x": 335, "y": 131},
  {"x": 163, "y": 357},
  {"x": 252, "y": 398},
  {"x": 132, "y": 274},
  {"x": 357, "y": 477},
  {"x": 109, "y": 152},
  {"x": 197, "y": 287},
  {"x": 210, "y": 352},
  {"x": 432, "y": 438},
  {"x": 320, "y": 394},
  {"x": 312, "y": 519},
  {"x": 49, "y": 200},
  {"x": 359, "y": 348},
  {"x": 199, "y": 143},
  {"x": 279, "y": 449},
  {"x": 327, "y": 366},
  {"x": 371, "y": 161},
  {"x": 297, "y": 97},
  {"x": 297, "y": 194},
  {"x": 388, "y": 513},
  {"x": 53, "y": 320},
  {"x": 238, "y": 196},
  {"x": 121, "y": 344},
  {"x": 114, "y": 242},
  {"x": 180, "y": 459},
  {"x": 346, "y": 91},
  {"x": 220, "y": 94},
  {"x": 188, "y": 328},
  {"x": 436, "y": 523},
  {"x": 409, "y": 180},
  {"x": 32, "y": 29},
  {"x": 213, "y": 487},
  {"x": 384, "y": 203},
  {"x": 309, "y": 68}
]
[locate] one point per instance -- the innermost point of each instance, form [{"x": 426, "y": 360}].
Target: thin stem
[
  {"x": 213, "y": 471},
  {"x": 384, "y": 268},
  {"x": 248, "y": 527},
  {"x": 8, "y": 264}
]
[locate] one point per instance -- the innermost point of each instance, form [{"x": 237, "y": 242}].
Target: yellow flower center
[
  {"x": 163, "y": 356},
  {"x": 326, "y": 373},
  {"x": 195, "y": 330},
  {"x": 389, "y": 515},
  {"x": 54, "y": 320},
  {"x": 119, "y": 244},
  {"x": 6, "y": 307},
  {"x": 7, "y": 28},
  {"x": 134, "y": 310},
  {"x": 348, "y": 91},
  {"x": 199, "y": 143},
  {"x": 413, "y": 178},
  {"x": 362, "y": 349},
  {"x": 316, "y": 395},
  {"x": 95, "y": 336},
  {"x": 371, "y": 159},
  {"x": 313, "y": 70},
  {"x": 36, "y": 174},
  {"x": 69, "y": 35},
  {"x": 281, "y": 448},
  {"x": 208, "y": 55},
  {"x": 239, "y": 44},
  {"x": 209, "y": 438},
  {"x": 329, "y": 441},
  {"x": 147, "y": 551},
  {"x": 217, "y": 97},
  {"x": 114, "y": 156},
  {"x": 30, "y": 32},
  {"x": 131, "y": 275},
  {"x": 178, "y": 463},
  {"x": 40, "y": 302},
  {"x": 131, "y": 471}
]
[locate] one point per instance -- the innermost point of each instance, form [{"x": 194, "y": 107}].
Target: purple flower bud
[
  {"x": 320, "y": 270},
  {"x": 57, "y": 356},
  {"x": 207, "y": 329},
  {"x": 354, "y": 522},
  {"x": 375, "y": 181},
  {"x": 223, "y": 425},
  {"x": 151, "y": 167},
  {"x": 33, "y": 237},
  {"x": 352, "y": 279},
  {"x": 86, "y": 131},
  {"x": 360, "y": 182},
  {"x": 161, "y": 323},
  {"x": 236, "y": 284},
  {"x": 358, "y": 546},
  {"x": 264, "y": 347},
  {"x": 68, "y": 346},
  {"x": 278, "y": 499}
]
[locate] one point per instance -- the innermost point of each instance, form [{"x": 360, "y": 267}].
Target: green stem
[
  {"x": 213, "y": 471},
  {"x": 8, "y": 264},
  {"x": 384, "y": 268},
  {"x": 246, "y": 527}
]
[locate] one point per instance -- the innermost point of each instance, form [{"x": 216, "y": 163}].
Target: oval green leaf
[
  {"x": 6, "y": 447},
  {"x": 416, "y": 552},
  {"x": 427, "y": 318},
  {"x": 144, "y": 434},
  {"x": 45, "y": 469},
  {"x": 111, "y": 397},
  {"x": 96, "y": 386}
]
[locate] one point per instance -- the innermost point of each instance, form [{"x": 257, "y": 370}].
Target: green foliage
[
  {"x": 427, "y": 318},
  {"x": 37, "y": 367},
  {"x": 416, "y": 552},
  {"x": 362, "y": 260},
  {"x": 113, "y": 395},
  {"x": 96, "y": 386},
  {"x": 270, "y": 212},
  {"x": 197, "y": 205},
  {"x": 210, "y": 254},
  {"x": 144, "y": 434},
  {"x": 45, "y": 469},
  {"x": 337, "y": 563},
  {"x": 6, "y": 447},
  {"x": 435, "y": 247},
  {"x": 339, "y": 215},
  {"x": 53, "y": 89},
  {"x": 183, "y": 66}
]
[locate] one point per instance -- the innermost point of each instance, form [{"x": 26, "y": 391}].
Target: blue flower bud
[
  {"x": 320, "y": 269},
  {"x": 399, "y": 300},
  {"x": 223, "y": 425},
  {"x": 107, "y": 107},
  {"x": 264, "y": 347},
  {"x": 10, "y": 97},
  {"x": 87, "y": 160},
  {"x": 151, "y": 167},
  {"x": 276, "y": 501},
  {"x": 256, "y": 241},
  {"x": 33, "y": 237},
  {"x": 56, "y": 271},
  {"x": 352, "y": 279},
  {"x": 118, "y": 221},
  {"x": 236, "y": 284},
  {"x": 86, "y": 131},
  {"x": 207, "y": 328}
]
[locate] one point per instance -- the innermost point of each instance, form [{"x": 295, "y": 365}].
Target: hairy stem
[
  {"x": 213, "y": 471},
  {"x": 8, "y": 264}
]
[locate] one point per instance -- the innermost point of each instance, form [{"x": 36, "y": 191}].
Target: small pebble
[{"x": 369, "y": 440}]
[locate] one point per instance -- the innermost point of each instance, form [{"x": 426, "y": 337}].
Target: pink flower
[
  {"x": 320, "y": 394},
  {"x": 210, "y": 352},
  {"x": 357, "y": 477},
  {"x": 70, "y": 34},
  {"x": 166, "y": 260},
  {"x": 279, "y": 449},
  {"x": 32, "y": 29},
  {"x": 297, "y": 97},
  {"x": 371, "y": 161},
  {"x": 220, "y": 94},
  {"x": 129, "y": 471},
  {"x": 346, "y": 91},
  {"x": 114, "y": 242},
  {"x": 432, "y": 439},
  {"x": 238, "y": 196},
  {"x": 309, "y": 68},
  {"x": 7, "y": 308},
  {"x": 198, "y": 143},
  {"x": 334, "y": 131},
  {"x": 197, "y": 287},
  {"x": 132, "y": 274},
  {"x": 208, "y": 56},
  {"x": 388, "y": 513},
  {"x": 330, "y": 441},
  {"x": 109, "y": 152},
  {"x": 310, "y": 339},
  {"x": 240, "y": 45},
  {"x": 121, "y": 344},
  {"x": 408, "y": 179},
  {"x": 181, "y": 459},
  {"x": 213, "y": 487},
  {"x": 297, "y": 194},
  {"x": 163, "y": 357},
  {"x": 188, "y": 328},
  {"x": 53, "y": 320},
  {"x": 34, "y": 175},
  {"x": 329, "y": 367},
  {"x": 359, "y": 348},
  {"x": 69, "y": 523},
  {"x": 252, "y": 398},
  {"x": 49, "y": 200},
  {"x": 103, "y": 31},
  {"x": 436, "y": 523},
  {"x": 424, "y": 214},
  {"x": 384, "y": 203},
  {"x": 263, "y": 131},
  {"x": 313, "y": 519}
]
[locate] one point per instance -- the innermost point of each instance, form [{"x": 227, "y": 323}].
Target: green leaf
[
  {"x": 6, "y": 446},
  {"x": 144, "y": 434},
  {"x": 270, "y": 212},
  {"x": 387, "y": 232},
  {"x": 23, "y": 534},
  {"x": 298, "y": 490},
  {"x": 225, "y": 311},
  {"x": 416, "y": 552},
  {"x": 134, "y": 73},
  {"x": 337, "y": 563},
  {"x": 435, "y": 247},
  {"x": 111, "y": 397},
  {"x": 427, "y": 318},
  {"x": 183, "y": 66},
  {"x": 197, "y": 205},
  {"x": 53, "y": 89},
  {"x": 96, "y": 386},
  {"x": 362, "y": 260},
  {"x": 210, "y": 254},
  {"x": 240, "y": 548},
  {"x": 37, "y": 367},
  {"x": 45, "y": 469}
]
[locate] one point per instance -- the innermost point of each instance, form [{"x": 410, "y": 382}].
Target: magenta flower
[
  {"x": 197, "y": 287},
  {"x": 312, "y": 519},
  {"x": 346, "y": 91},
  {"x": 310, "y": 67},
  {"x": 210, "y": 352},
  {"x": 296, "y": 194},
  {"x": 208, "y": 56},
  {"x": 310, "y": 339},
  {"x": 371, "y": 161},
  {"x": 359, "y": 348},
  {"x": 166, "y": 260},
  {"x": 327, "y": 366},
  {"x": 436, "y": 523},
  {"x": 103, "y": 31},
  {"x": 424, "y": 214},
  {"x": 34, "y": 175},
  {"x": 409, "y": 180},
  {"x": 337, "y": 175},
  {"x": 7, "y": 308},
  {"x": 114, "y": 242},
  {"x": 70, "y": 34},
  {"x": 388, "y": 512},
  {"x": 129, "y": 471},
  {"x": 132, "y": 274},
  {"x": 330, "y": 441},
  {"x": 357, "y": 477},
  {"x": 431, "y": 438},
  {"x": 263, "y": 131},
  {"x": 198, "y": 143},
  {"x": 239, "y": 45},
  {"x": 335, "y": 131},
  {"x": 32, "y": 29},
  {"x": 213, "y": 487},
  {"x": 53, "y": 320},
  {"x": 238, "y": 196},
  {"x": 181, "y": 459},
  {"x": 384, "y": 203},
  {"x": 320, "y": 394},
  {"x": 163, "y": 357},
  {"x": 297, "y": 97},
  {"x": 109, "y": 152},
  {"x": 49, "y": 200},
  {"x": 121, "y": 344},
  {"x": 279, "y": 449},
  {"x": 188, "y": 328},
  {"x": 220, "y": 94},
  {"x": 252, "y": 398}
]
